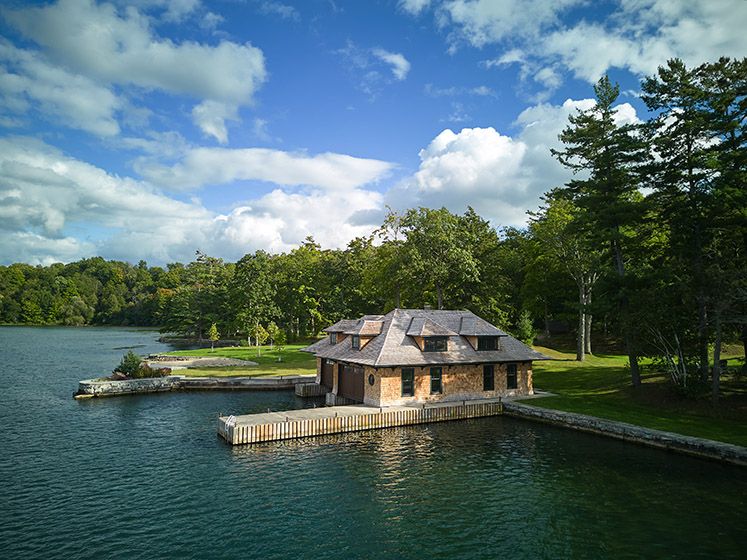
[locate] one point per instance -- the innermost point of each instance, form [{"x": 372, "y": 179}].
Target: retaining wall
[
  {"x": 311, "y": 390},
  {"x": 698, "y": 447},
  {"x": 98, "y": 388},
  {"x": 111, "y": 388}
]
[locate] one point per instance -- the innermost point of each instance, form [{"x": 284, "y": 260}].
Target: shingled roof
[
  {"x": 472, "y": 325},
  {"x": 395, "y": 345},
  {"x": 342, "y": 326}
]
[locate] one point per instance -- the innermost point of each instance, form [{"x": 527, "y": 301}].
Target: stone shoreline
[
  {"x": 89, "y": 388},
  {"x": 697, "y": 447}
]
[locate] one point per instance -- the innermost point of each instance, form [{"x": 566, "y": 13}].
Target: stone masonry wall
[
  {"x": 460, "y": 382},
  {"x": 127, "y": 387},
  {"x": 698, "y": 447}
]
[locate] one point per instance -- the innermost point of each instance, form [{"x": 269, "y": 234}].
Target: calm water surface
[{"x": 147, "y": 477}]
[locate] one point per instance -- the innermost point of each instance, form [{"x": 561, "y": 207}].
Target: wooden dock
[{"x": 310, "y": 422}]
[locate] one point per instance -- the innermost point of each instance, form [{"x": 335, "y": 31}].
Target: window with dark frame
[
  {"x": 436, "y": 381},
  {"x": 333, "y": 338},
  {"x": 488, "y": 377},
  {"x": 487, "y": 343},
  {"x": 511, "y": 377},
  {"x": 435, "y": 344},
  {"x": 356, "y": 342},
  {"x": 408, "y": 382}
]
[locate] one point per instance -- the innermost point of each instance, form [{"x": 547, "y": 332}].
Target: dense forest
[{"x": 645, "y": 246}]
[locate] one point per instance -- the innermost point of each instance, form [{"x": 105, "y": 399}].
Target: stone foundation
[
  {"x": 106, "y": 388},
  {"x": 698, "y": 447},
  {"x": 460, "y": 383},
  {"x": 310, "y": 390},
  {"x": 334, "y": 400},
  {"x": 111, "y": 388}
]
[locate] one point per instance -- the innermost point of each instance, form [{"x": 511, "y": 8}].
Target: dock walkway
[{"x": 275, "y": 426}]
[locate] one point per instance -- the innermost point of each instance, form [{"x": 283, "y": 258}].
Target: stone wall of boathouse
[{"x": 460, "y": 382}]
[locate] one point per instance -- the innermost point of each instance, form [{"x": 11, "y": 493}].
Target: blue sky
[{"x": 153, "y": 128}]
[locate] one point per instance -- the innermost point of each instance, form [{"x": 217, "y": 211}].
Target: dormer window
[
  {"x": 435, "y": 344},
  {"x": 333, "y": 338},
  {"x": 487, "y": 343},
  {"x": 356, "y": 342}
]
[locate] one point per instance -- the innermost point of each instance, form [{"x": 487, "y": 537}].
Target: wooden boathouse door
[
  {"x": 328, "y": 369},
  {"x": 351, "y": 382}
]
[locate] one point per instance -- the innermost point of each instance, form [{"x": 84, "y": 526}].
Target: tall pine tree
[{"x": 608, "y": 155}]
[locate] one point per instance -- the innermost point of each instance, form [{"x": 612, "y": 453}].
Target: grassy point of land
[
  {"x": 600, "y": 386},
  {"x": 294, "y": 362}
]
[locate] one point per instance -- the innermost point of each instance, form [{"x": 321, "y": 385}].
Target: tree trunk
[
  {"x": 703, "y": 338},
  {"x": 256, "y": 338},
  {"x": 716, "y": 361},
  {"x": 587, "y": 319},
  {"x": 580, "y": 330},
  {"x": 635, "y": 372}
]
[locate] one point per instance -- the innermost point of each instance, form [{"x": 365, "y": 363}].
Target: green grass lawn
[
  {"x": 294, "y": 362},
  {"x": 600, "y": 386}
]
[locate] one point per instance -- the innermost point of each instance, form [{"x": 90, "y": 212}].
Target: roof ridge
[{"x": 386, "y": 336}]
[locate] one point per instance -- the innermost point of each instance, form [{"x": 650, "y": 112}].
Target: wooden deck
[{"x": 310, "y": 422}]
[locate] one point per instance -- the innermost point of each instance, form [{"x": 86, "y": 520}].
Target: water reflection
[{"x": 147, "y": 476}]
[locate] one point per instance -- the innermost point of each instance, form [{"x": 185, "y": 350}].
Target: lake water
[{"x": 147, "y": 477}]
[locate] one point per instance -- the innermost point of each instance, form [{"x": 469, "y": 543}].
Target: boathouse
[{"x": 420, "y": 355}]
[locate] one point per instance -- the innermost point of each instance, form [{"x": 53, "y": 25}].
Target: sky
[{"x": 154, "y": 128}]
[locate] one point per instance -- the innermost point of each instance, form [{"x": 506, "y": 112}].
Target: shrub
[
  {"x": 134, "y": 367},
  {"x": 129, "y": 365},
  {"x": 145, "y": 371}
]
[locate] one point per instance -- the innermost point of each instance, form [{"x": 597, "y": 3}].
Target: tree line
[{"x": 645, "y": 245}]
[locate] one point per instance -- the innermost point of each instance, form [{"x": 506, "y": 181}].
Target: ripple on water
[{"x": 147, "y": 477}]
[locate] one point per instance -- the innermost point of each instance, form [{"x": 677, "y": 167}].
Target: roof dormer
[{"x": 429, "y": 335}]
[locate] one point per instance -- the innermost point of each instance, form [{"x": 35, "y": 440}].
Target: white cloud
[
  {"x": 414, "y": 7},
  {"x": 638, "y": 35},
  {"x": 400, "y": 65},
  {"x": 177, "y": 10},
  {"x": 273, "y": 8},
  {"x": 694, "y": 31},
  {"x": 481, "y": 22},
  {"x": 369, "y": 65},
  {"x": 213, "y": 166},
  {"x": 452, "y": 91},
  {"x": 114, "y": 47},
  {"x": 211, "y": 116},
  {"x": 34, "y": 249},
  {"x": 45, "y": 194},
  {"x": 502, "y": 176},
  {"x": 28, "y": 82},
  {"x": 279, "y": 221},
  {"x": 42, "y": 188},
  {"x": 156, "y": 144}
]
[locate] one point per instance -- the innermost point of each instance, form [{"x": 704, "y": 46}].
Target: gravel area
[{"x": 177, "y": 362}]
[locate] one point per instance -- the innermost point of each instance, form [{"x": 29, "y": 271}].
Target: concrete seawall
[
  {"x": 113, "y": 388},
  {"x": 698, "y": 447}
]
